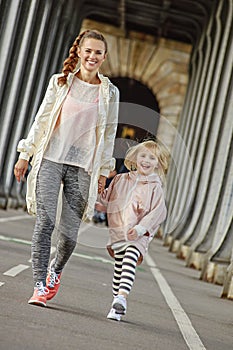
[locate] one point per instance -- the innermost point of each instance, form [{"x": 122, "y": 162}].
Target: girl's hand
[
  {"x": 110, "y": 251},
  {"x": 101, "y": 183},
  {"x": 20, "y": 169},
  {"x": 100, "y": 207},
  {"x": 132, "y": 234}
]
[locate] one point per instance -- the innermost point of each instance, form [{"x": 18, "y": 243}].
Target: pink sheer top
[{"x": 74, "y": 137}]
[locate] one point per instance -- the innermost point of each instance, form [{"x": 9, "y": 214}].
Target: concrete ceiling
[{"x": 181, "y": 20}]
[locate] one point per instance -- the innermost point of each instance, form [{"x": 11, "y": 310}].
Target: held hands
[
  {"x": 101, "y": 183},
  {"x": 20, "y": 169},
  {"x": 100, "y": 207}
]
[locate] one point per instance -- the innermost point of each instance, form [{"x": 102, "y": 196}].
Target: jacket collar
[{"x": 104, "y": 80}]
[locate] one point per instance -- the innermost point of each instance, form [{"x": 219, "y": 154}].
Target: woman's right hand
[{"x": 20, "y": 169}]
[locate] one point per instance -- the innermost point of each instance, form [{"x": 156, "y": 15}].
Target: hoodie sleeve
[
  {"x": 107, "y": 161},
  {"x": 158, "y": 211},
  {"x": 104, "y": 197},
  {"x": 27, "y": 146}
]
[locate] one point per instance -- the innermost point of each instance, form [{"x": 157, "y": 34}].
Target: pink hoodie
[{"x": 134, "y": 199}]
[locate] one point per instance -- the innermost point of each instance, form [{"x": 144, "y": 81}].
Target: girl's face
[
  {"x": 147, "y": 162},
  {"x": 92, "y": 54}
]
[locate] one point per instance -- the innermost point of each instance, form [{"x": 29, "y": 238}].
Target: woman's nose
[{"x": 92, "y": 54}]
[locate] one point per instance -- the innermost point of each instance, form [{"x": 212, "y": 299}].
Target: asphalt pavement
[{"x": 169, "y": 307}]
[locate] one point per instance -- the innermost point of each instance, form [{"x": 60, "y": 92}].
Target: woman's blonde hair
[
  {"x": 71, "y": 62},
  {"x": 154, "y": 146}
]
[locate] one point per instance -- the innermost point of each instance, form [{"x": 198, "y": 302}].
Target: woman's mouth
[{"x": 92, "y": 63}]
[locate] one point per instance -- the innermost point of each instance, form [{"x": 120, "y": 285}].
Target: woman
[{"x": 71, "y": 142}]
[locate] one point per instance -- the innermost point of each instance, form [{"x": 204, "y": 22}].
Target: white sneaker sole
[
  {"x": 113, "y": 316},
  {"x": 36, "y": 302}
]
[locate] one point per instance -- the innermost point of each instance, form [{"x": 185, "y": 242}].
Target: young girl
[
  {"x": 135, "y": 208},
  {"x": 71, "y": 142}
]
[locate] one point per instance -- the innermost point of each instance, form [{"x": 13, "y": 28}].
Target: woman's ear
[{"x": 78, "y": 52}]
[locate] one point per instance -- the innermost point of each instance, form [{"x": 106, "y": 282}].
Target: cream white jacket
[{"x": 39, "y": 135}]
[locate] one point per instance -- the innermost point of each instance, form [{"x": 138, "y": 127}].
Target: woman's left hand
[{"x": 101, "y": 183}]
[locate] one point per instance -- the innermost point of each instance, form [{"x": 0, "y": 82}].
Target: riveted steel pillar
[
  {"x": 192, "y": 118},
  {"x": 203, "y": 127},
  {"x": 205, "y": 237},
  {"x": 35, "y": 37}
]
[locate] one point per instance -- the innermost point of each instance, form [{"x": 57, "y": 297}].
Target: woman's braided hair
[{"x": 70, "y": 63}]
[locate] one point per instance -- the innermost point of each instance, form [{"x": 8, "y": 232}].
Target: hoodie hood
[{"x": 152, "y": 178}]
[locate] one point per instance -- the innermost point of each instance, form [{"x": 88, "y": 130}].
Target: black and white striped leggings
[{"x": 124, "y": 270}]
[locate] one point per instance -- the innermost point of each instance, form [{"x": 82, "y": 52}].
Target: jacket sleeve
[
  {"x": 158, "y": 211},
  {"x": 27, "y": 146},
  {"x": 107, "y": 161}
]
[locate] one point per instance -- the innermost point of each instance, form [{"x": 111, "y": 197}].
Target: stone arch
[
  {"x": 137, "y": 100},
  {"x": 161, "y": 64}
]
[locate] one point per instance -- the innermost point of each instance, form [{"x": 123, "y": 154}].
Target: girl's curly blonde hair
[
  {"x": 71, "y": 62},
  {"x": 156, "y": 147}
]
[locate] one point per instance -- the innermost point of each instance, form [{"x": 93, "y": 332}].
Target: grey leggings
[{"x": 74, "y": 198}]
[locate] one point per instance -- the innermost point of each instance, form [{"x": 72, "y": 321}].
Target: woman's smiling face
[
  {"x": 147, "y": 162},
  {"x": 92, "y": 54}
]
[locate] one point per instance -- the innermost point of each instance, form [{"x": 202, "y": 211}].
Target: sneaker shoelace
[
  {"x": 53, "y": 279},
  {"x": 42, "y": 290}
]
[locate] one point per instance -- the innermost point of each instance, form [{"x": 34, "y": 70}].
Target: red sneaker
[
  {"x": 52, "y": 282},
  {"x": 40, "y": 295}
]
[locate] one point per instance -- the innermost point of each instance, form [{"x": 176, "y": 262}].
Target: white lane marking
[
  {"x": 96, "y": 258},
  {"x": 189, "y": 334},
  {"x": 13, "y": 239},
  {"x": 2, "y": 283},
  {"x": 53, "y": 249},
  {"x": 14, "y": 271},
  {"x": 22, "y": 241},
  {"x": 15, "y": 218}
]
